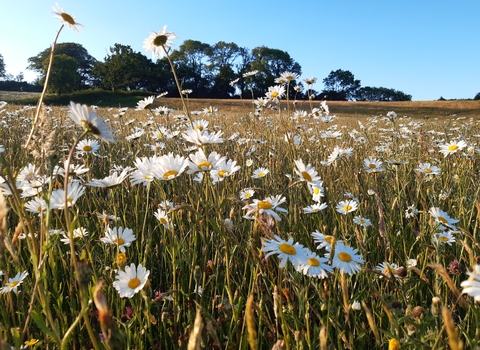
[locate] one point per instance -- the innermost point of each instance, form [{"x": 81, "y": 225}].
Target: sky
[{"x": 426, "y": 48}]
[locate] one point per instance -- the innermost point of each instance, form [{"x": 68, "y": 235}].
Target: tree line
[{"x": 207, "y": 70}]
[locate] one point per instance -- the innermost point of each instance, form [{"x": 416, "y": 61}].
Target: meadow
[{"x": 264, "y": 224}]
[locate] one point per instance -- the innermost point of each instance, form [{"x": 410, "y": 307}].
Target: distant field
[{"x": 414, "y": 109}]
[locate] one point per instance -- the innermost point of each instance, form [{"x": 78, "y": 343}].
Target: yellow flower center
[
  {"x": 170, "y": 174},
  {"x": 149, "y": 176},
  {"x": 442, "y": 220},
  {"x": 287, "y": 249},
  {"x": 306, "y": 176},
  {"x": 248, "y": 195},
  {"x": 345, "y": 257},
  {"x": 347, "y": 207},
  {"x": 264, "y": 205},
  {"x": 372, "y": 166},
  {"x": 313, "y": 262},
  {"x": 159, "y": 135},
  {"x": 329, "y": 239},
  {"x": 39, "y": 209},
  {"x": 428, "y": 171},
  {"x": 67, "y": 18},
  {"x": 87, "y": 148},
  {"x": 443, "y": 238},
  {"x": 261, "y": 175},
  {"x": 163, "y": 221},
  {"x": 119, "y": 241},
  {"x": 223, "y": 173},
  {"x": 205, "y": 165},
  {"x": 199, "y": 128},
  {"x": 133, "y": 283},
  {"x": 14, "y": 284},
  {"x": 274, "y": 94},
  {"x": 316, "y": 190},
  {"x": 452, "y": 148},
  {"x": 160, "y": 40},
  {"x": 121, "y": 259}
]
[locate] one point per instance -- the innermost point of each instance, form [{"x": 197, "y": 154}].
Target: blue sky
[{"x": 425, "y": 48}]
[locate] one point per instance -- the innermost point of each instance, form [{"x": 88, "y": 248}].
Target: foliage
[
  {"x": 477, "y": 96},
  {"x": 65, "y": 74},
  {"x": 340, "y": 85},
  {"x": 369, "y": 93}
]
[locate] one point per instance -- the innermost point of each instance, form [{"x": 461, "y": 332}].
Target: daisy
[
  {"x": 314, "y": 208},
  {"x": 442, "y": 218},
  {"x": 285, "y": 250},
  {"x": 138, "y": 132},
  {"x": 362, "y": 221},
  {"x": 170, "y": 167},
  {"x": 373, "y": 165},
  {"x": 88, "y": 146},
  {"x": 306, "y": 173},
  {"x": 122, "y": 237},
  {"x": 159, "y": 42},
  {"x": 249, "y": 163},
  {"x": 275, "y": 92},
  {"x": 131, "y": 281},
  {"x": 209, "y": 111},
  {"x": 389, "y": 270},
  {"x": 166, "y": 205},
  {"x": 323, "y": 241},
  {"x": 411, "y": 211},
  {"x": 74, "y": 192},
  {"x": 260, "y": 172},
  {"x": 111, "y": 180},
  {"x": 199, "y": 162},
  {"x": 145, "y": 172},
  {"x": 13, "y": 283},
  {"x": 224, "y": 168},
  {"x": 428, "y": 169},
  {"x": 269, "y": 206},
  {"x": 147, "y": 102},
  {"x": 316, "y": 190},
  {"x": 346, "y": 206},
  {"x": 452, "y": 147},
  {"x": 28, "y": 173},
  {"x": 472, "y": 285},
  {"x": 157, "y": 147},
  {"x": 200, "y": 125},
  {"x": 247, "y": 194},
  {"x": 314, "y": 266},
  {"x": 36, "y": 205},
  {"x": 346, "y": 259},
  {"x": 161, "y": 216},
  {"x": 289, "y": 76},
  {"x": 444, "y": 237},
  {"x": 202, "y": 137},
  {"x": 79, "y": 232},
  {"x": 90, "y": 122},
  {"x": 65, "y": 18}
]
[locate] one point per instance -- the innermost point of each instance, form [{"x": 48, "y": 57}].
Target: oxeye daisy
[
  {"x": 323, "y": 241},
  {"x": 276, "y": 92},
  {"x": 66, "y": 18},
  {"x": 428, "y": 169},
  {"x": 285, "y": 250},
  {"x": 472, "y": 285},
  {"x": 202, "y": 137},
  {"x": 200, "y": 125},
  {"x": 452, "y": 147},
  {"x": 159, "y": 42},
  {"x": 79, "y": 232},
  {"x": 90, "y": 122},
  {"x": 442, "y": 217},
  {"x": 161, "y": 216},
  {"x": 373, "y": 165},
  {"x": 314, "y": 266},
  {"x": 36, "y": 205},
  {"x": 269, "y": 206},
  {"x": 247, "y": 194},
  {"x": 387, "y": 269},
  {"x": 362, "y": 221},
  {"x": 88, "y": 146},
  {"x": 13, "y": 283},
  {"x": 200, "y": 162},
  {"x": 74, "y": 191},
  {"x": 131, "y": 281},
  {"x": 260, "y": 172},
  {"x": 444, "y": 237},
  {"x": 306, "y": 173},
  {"x": 347, "y": 206},
  {"x": 122, "y": 237},
  {"x": 224, "y": 169},
  {"x": 316, "y": 190},
  {"x": 346, "y": 259},
  {"x": 314, "y": 208},
  {"x": 146, "y": 170},
  {"x": 170, "y": 167},
  {"x": 110, "y": 181},
  {"x": 249, "y": 162},
  {"x": 411, "y": 211},
  {"x": 146, "y": 103}
]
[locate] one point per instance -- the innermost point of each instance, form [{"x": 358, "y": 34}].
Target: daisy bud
[{"x": 436, "y": 306}]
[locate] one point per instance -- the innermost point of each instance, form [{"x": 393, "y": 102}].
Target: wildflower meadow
[{"x": 278, "y": 227}]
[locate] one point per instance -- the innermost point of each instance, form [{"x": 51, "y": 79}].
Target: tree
[
  {"x": 3, "y": 72},
  {"x": 477, "y": 96},
  {"x": 190, "y": 61},
  {"x": 64, "y": 75},
  {"x": 123, "y": 69},
  {"x": 271, "y": 63},
  {"x": 84, "y": 63},
  {"x": 341, "y": 85},
  {"x": 369, "y": 93}
]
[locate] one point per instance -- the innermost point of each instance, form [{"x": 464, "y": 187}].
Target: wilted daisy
[
  {"x": 452, "y": 147},
  {"x": 387, "y": 269},
  {"x": 442, "y": 217},
  {"x": 247, "y": 194},
  {"x": 260, "y": 172},
  {"x": 428, "y": 169},
  {"x": 119, "y": 236},
  {"x": 88, "y": 146},
  {"x": 77, "y": 233},
  {"x": 159, "y": 42},
  {"x": 285, "y": 250},
  {"x": 443, "y": 237},
  {"x": 361, "y": 221},
  {"x": 90, "y": 122},
  {"x": 373, "y": 165},
  {"x": 314, "y": 208},
  {"x": 472, "y": 285},
  {"x": 346, "y": 259},
  {"x": 269, "y": 206},
  {"x": 13, "y": 283},
  {"x": 347, "y": 206},
  {"x": 306, "y": 173},
  {"x": 314, "y": 266},
  {"x": 66, "y": 18},
  {"x": 170, "y": 167},
  {"x": 131, "y": 281}
]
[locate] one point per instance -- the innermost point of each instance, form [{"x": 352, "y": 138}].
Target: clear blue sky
[{"x": 425, "y": 48}]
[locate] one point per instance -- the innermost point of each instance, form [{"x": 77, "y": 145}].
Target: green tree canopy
[
  {"x": 369, "y": 93},
  {"x": 340, "y": 85},
  {"x": 84, "y": 60},
  {"x": 64, "y": 75}
]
